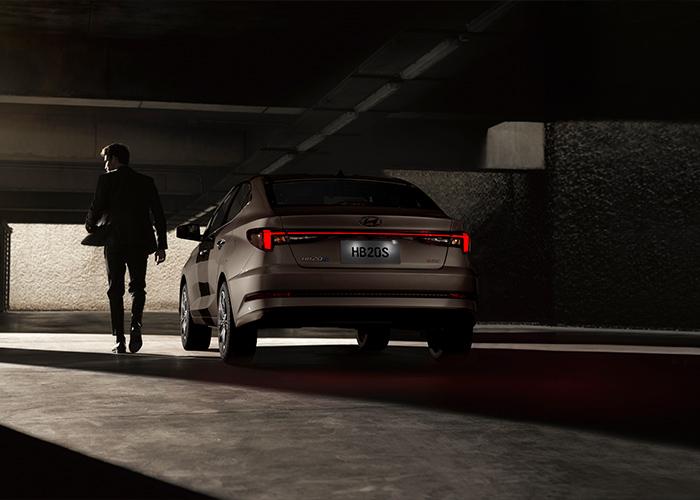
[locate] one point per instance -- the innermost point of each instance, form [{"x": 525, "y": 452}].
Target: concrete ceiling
[{"x": 207, "y": 93}]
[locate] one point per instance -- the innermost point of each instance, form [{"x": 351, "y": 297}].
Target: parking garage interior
[{"x": 564, "y": 134}]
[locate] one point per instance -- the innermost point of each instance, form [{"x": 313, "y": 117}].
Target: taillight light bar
[{"x": 266, "y": 239}]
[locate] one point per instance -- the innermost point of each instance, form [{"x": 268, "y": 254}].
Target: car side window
[
  {"x": 239, "y": 201},
  {"x": 218, "y": 219}
]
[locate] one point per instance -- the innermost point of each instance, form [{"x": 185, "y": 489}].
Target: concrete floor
[
  {"x": 167, "y": 323},
  {"x": 316, "y": 419}
]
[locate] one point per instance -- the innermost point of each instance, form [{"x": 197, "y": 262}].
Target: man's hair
[{"x": 118, "y": 150}]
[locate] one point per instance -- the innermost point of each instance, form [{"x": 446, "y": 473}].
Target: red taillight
[
  {"x": 460, "y": 240},
  {"x": 466, "y": 242},
  {"x": 266, "y": 239}
]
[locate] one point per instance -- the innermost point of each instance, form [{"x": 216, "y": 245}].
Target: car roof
[{"x": 340, "y": 176}]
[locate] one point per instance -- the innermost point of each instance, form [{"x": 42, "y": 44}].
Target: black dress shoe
[
  {"x": 135, "y": 340},
  {"x": 120, "y": 346}
]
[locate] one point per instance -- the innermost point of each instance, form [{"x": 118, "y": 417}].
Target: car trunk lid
[{"x": 361, "y": 240}]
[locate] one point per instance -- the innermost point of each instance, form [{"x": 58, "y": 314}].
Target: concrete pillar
[
  {"x": 5, "y": 232},
  {"x": 515, "y": 145}
]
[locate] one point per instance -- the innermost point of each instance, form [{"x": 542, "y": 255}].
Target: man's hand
[{"x": 160, "y": 256}]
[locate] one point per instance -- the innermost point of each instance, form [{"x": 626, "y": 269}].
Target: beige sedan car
[{"x": 342, "y": 251}]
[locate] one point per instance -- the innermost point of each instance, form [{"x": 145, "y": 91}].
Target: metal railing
[{"x": 5, "y": 232}]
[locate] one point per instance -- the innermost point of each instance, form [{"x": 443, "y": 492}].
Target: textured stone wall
[
  {"x": 51, "y": 270},
  {"x": 625, "y": 208},
  {"x": 505, "y": 214},
  {"x": 607, "y": 235}
]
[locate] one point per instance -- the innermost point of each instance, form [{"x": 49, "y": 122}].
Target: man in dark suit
[{"x": 128, "y": 199}]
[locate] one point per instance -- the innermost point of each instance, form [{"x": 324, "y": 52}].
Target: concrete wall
[
  {"x": 51, "y": 270},
  {"x": 607, "y": 235},
  {"x": 625, "y": 205}
]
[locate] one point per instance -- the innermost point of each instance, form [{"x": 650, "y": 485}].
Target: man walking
[{"x": 128, "y": 199}]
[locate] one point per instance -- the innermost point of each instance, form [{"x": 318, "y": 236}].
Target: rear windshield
[{"x": 347, "y": 192}]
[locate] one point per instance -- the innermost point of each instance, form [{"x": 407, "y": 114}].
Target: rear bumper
[
  {"x": 411, "y": 299},
  {"x": 418, "y": 315}
]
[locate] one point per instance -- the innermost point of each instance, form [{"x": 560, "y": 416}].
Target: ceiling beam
[
  {"x": 47, "y": 177},
  {"x": 159, "y": 105},
  {"x": 36, "y": 201}
]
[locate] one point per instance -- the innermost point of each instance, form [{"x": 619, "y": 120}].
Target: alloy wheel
[
  {"x": 223, "y": 318},
  {"x": 184, "y": 313}
]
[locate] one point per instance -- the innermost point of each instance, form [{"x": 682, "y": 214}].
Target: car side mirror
[{"x": 189, "y": 232}]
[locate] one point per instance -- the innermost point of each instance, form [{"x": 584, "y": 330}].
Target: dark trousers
[{"x": 118, "y": 260}]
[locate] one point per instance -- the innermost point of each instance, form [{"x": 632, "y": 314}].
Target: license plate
[{"x": 369, "y": 252}]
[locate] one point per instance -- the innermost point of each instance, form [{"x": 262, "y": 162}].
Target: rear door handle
[{"x": 220, "y": 243}]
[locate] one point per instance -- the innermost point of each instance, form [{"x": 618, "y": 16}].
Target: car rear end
[{"x": 355, "y": 252}]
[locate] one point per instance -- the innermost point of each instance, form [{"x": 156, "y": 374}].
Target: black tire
[
  {"x": 373, "y": 339},
  {"x": 194, "y": 337},
  {"x": 449, "y": 343},
  {"x": 236, "y": 345}
]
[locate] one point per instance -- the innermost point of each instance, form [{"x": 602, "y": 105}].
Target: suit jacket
[{"x": 128, "y": 199}]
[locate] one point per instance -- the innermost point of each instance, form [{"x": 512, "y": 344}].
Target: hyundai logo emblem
[{"x": 370, "y": 221}]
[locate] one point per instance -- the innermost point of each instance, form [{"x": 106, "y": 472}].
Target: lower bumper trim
[{"x": 410, "y": 319}]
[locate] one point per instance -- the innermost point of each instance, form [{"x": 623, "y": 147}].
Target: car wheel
[
  {"x": 194, "y": 337},
  {"x": 372, "y": 339},
  {"x": 444, "y": 343},
  {"x": 235, "y": 344}
]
